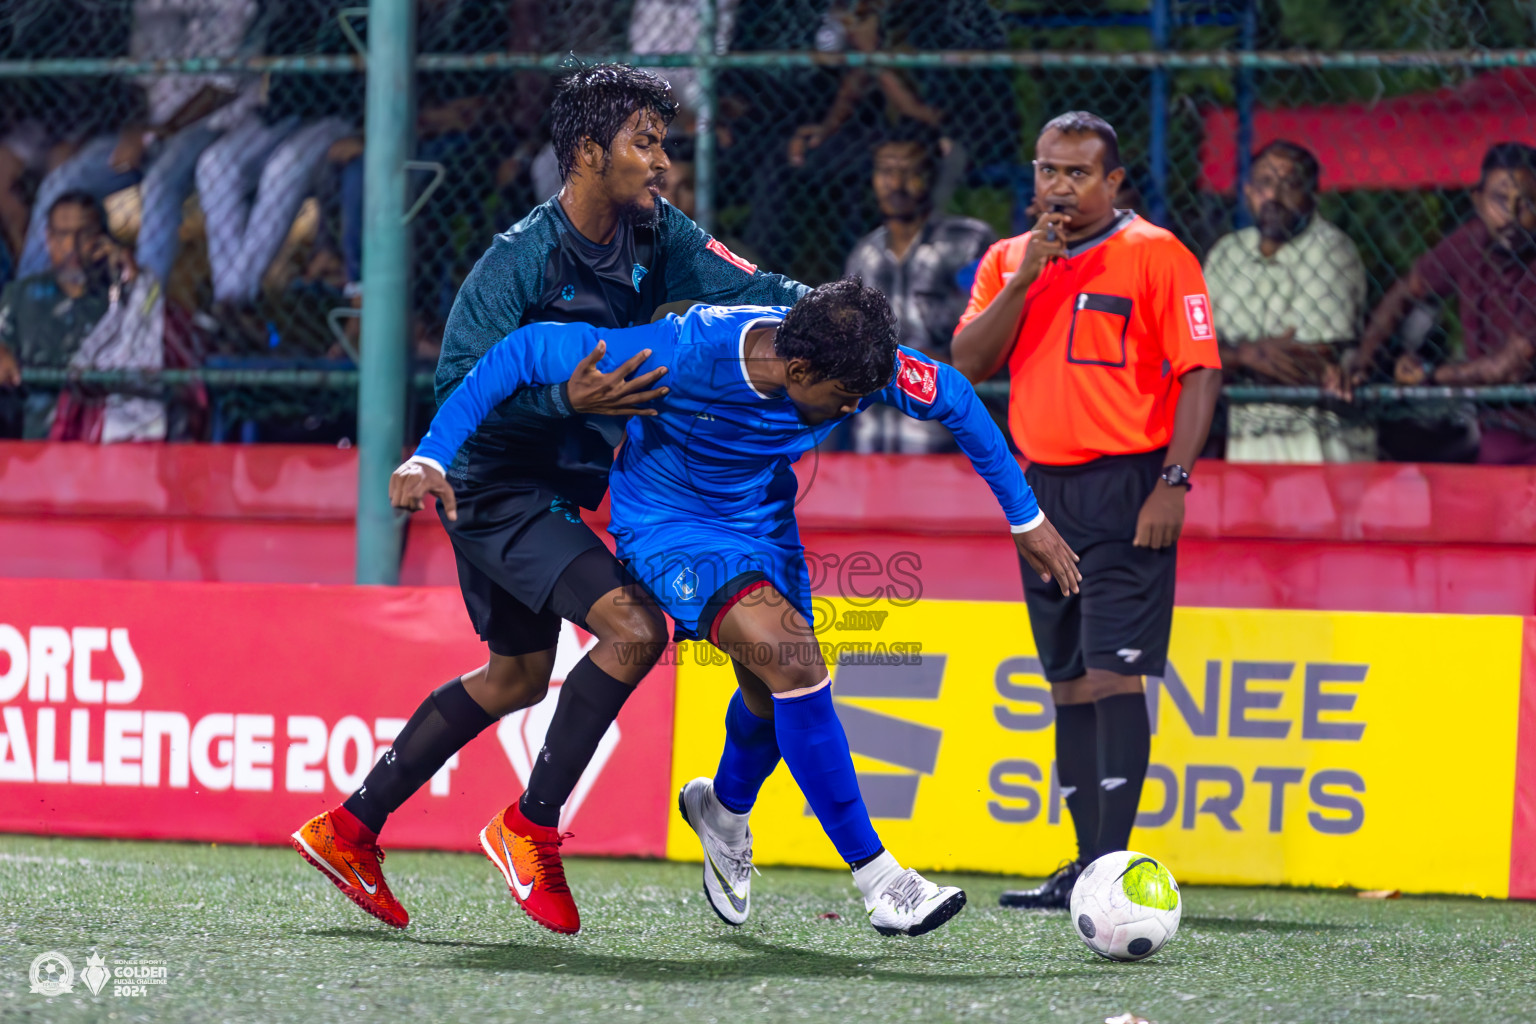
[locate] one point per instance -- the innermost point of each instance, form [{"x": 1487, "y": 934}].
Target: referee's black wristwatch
[{"x": 1175, "y": 476}]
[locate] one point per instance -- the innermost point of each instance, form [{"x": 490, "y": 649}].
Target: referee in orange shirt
[{"x": 1104, "y": 324}]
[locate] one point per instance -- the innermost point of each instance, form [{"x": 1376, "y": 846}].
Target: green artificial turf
[{"x": 257, "y": 935}]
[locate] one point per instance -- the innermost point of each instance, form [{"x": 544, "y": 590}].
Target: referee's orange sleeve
[
  {"x": 1186, "y": 330},
  {"x": 989, "y": 281}
]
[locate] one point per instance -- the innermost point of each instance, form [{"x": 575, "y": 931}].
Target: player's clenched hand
[
  {"x": 410, "y": 484},
  {"x": 1050, "y": 556},
  {"x": 1161, "y": 519},
  {"x": 614, "y": 393}
]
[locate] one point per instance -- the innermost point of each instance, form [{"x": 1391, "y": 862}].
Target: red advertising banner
[{"x": 235, "y": 712}]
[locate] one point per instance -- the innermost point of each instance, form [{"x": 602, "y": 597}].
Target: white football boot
[
  {"x": 727, "y": 843},
  {"x": 912, "y": 905}
]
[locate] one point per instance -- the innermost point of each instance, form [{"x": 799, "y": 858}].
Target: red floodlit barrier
[
  {"x": 1366, "y": 537},
  {"x": 234, "y": 713}
]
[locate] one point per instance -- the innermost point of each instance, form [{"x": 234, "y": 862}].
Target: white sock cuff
[
  {"x": 873, "y": 877},
  {"x": 804, "y": 691}
]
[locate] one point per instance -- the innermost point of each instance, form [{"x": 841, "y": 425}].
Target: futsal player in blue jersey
[{"x": 703, "y": 515}]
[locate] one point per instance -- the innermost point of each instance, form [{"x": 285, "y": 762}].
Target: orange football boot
[
  {"x": 328, "y": 842},
  {"x": 528, "y": 857}
]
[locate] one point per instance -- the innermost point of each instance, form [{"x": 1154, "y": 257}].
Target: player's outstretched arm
[
  {"x": 547, "y": 353},
  {"x": 926, "y": 390}
]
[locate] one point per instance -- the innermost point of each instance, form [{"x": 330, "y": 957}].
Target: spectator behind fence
[
  {"x": 44, "y": 317},
  {"x": 1287, "y": 294},
  {"x": 184, "y": 115},
  {"x": 917, "y": 258},
  {"x": 465, "y": 121},
  {"x": 45, "y": 120},
  {"x": 1489, "y": 264},
  {"x": 254, "y": 179},
  {"x": 814, "y": 202},
  {"x": 678, "y": 186},
  {"x": 672, "y": 26}
]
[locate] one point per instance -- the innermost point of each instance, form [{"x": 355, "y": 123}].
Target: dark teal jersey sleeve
[
  {"x": 702, "y": 268},
  {"x": 504, "y": 283},
  {"x": 537, "y": 354}
]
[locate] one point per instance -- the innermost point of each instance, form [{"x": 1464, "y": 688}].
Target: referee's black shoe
[{"x": 1055, "y": 894}]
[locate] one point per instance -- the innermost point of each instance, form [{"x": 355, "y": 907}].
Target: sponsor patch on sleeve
[
  {"x": 917, "y": 379},
  {"x": 718, "y": 248},
  {"x": 1197, "y": 310}
]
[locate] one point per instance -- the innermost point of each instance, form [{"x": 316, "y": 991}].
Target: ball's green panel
[{"x": 1148, "y": 883}]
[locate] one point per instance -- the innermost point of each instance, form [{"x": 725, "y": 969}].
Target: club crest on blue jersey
[
  {"x": 568, "y": 292},
  {"x": 686, "y": 584},
  {"x": 638, "y": 274}
]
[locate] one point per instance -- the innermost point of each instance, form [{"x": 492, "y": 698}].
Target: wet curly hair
[
  {"x": 594, "y": 101},
  {"x": 846, "y": 332}
]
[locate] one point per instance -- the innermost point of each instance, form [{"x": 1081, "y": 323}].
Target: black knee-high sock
[
  {"x": 590, "y": 700},
  {"x": 447, "y": 720},
  {"x": 1077, "y": 766},
  {"x": 1125, "y": 744}
]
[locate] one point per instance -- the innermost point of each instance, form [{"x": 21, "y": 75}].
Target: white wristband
[
  {"x": 1039, "y": 518},
  {"x": 425, "y": 461}
]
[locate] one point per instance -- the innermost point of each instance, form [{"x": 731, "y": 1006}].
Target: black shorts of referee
[{"x": 1121, "y": 618}]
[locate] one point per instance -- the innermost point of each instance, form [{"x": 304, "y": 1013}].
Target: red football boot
[
  {"x": 528, "y": 857},
  {"x": 347, "y": 852}
]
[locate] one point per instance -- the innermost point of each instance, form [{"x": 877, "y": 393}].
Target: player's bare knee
[
  {"x": 514, "y": 693},
  {"x": 791, "y": 677},
  {"x": 1094, "y": 686},
  {"x": 1072, "y": 691},
  {"x": 510, "y": 683},
  {"x": 636, "y": 625}
]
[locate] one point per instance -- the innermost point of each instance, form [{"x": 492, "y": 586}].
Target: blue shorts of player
[
  {"x": 685, "y": 562},
  {"x": 698, "y": 571}
]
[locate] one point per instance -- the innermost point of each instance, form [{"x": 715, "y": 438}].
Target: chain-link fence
[{"x": 239, "y": 182}]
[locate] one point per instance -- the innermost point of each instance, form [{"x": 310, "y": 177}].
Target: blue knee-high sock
[
  {"x": 816, "y": 750},
  {"x": 751, "y": 754}
]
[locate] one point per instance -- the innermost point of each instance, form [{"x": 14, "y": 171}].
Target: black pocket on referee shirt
[{"x": 1099, "y": 323}]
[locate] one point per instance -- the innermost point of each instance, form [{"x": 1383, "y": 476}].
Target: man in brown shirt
[{"x": 1489, "y": 264}]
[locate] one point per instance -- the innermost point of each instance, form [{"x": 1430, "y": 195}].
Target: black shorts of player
[
  {"x": 1121, "y": 618},
  {"x": 526, "y": 561}
]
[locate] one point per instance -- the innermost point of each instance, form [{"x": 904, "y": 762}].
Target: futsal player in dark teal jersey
[{"x": 606, "y": 251}]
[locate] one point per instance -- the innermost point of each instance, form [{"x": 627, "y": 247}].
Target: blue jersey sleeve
[
  {"x": 927, "y": 390},
  {"x": 542, "y": 353}
]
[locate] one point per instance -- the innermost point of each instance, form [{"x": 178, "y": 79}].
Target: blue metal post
[
  {"x": 704, "y": 140},
  {"x": 1242, "y": 218},
  {"x": 381, "y": 392},
  {"x": 1157, "y": 158}
]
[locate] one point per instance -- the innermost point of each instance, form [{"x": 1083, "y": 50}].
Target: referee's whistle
[{"x": 1050, "y": 229}]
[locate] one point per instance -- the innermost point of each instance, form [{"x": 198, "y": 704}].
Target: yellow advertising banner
[{"x": 1288, "y": 747}]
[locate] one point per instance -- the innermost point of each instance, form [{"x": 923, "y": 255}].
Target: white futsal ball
[{"x": 1126, "y": 906}]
